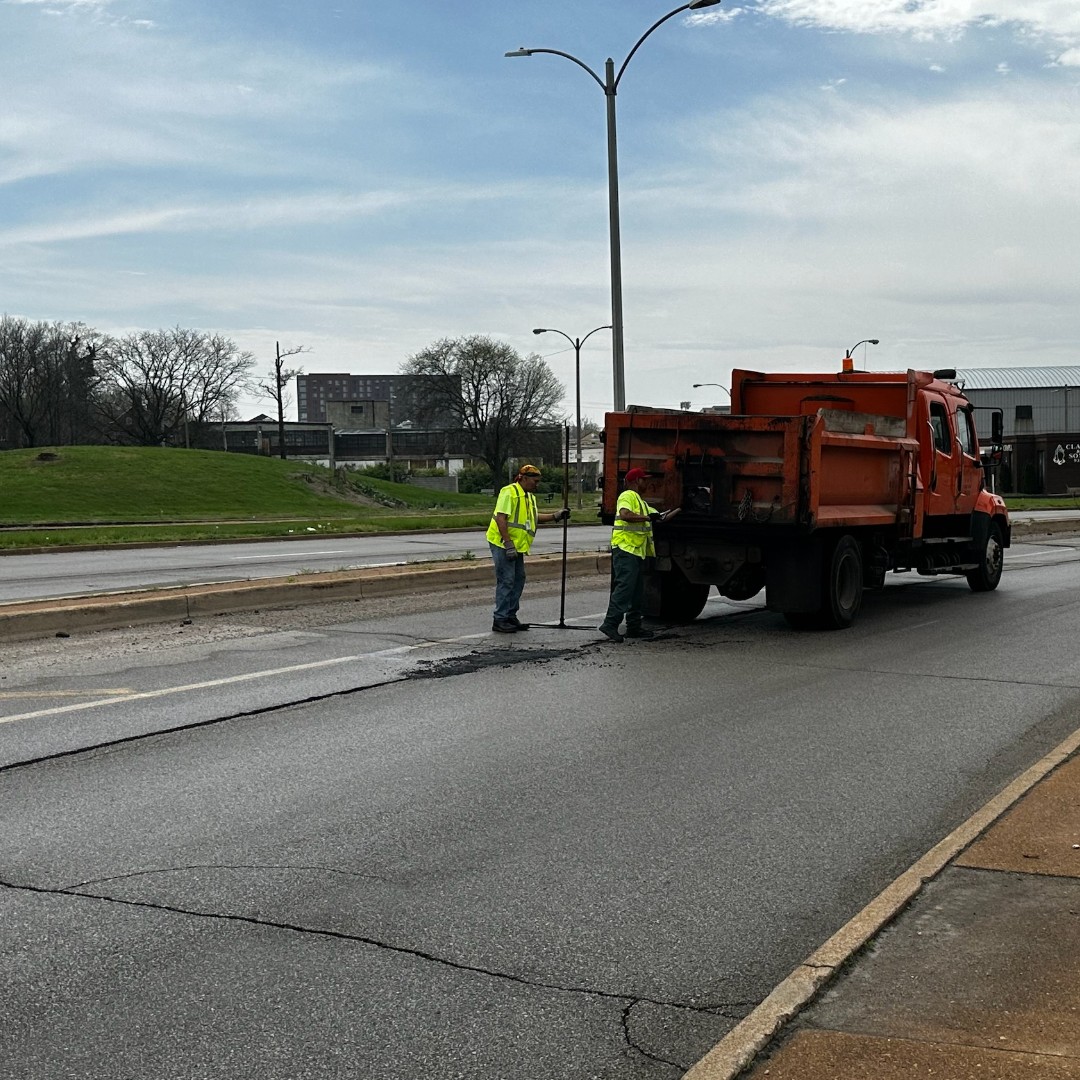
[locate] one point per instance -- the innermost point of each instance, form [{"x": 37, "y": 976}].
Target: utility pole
[{"x": 390, "y": 431}]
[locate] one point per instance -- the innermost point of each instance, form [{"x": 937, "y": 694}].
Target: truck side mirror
[{"x": 994, "y": 454}]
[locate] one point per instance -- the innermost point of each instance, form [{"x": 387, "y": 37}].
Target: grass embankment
[
  {"x": 100, "y": 495},
  {"x": 77, "y": 495}
]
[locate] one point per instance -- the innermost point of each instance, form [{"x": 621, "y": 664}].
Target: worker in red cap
[
  {"x": 631, "y": 544},
  {"x": 509, "y": 536}
]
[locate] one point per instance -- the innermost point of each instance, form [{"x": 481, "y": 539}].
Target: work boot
[
  {"x": 640, "y": 632},
  {"x": 503, "y": 626},
  {"x": 518, "y": 624},
  {"x": 610, "y": 632}
]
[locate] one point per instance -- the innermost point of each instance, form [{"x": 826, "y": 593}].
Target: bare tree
[
  {"x": 489, "y": 392},
  {"x": 276, "y": 386},
  {"x": 157, "y": 383},
  {"x": 47, "y": 378}
]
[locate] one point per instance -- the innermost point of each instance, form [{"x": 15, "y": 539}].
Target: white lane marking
[
  {"x": 291, "y": 555},
  {"x": 12, "y": 695},
  {"x": 167, "y": 691}
]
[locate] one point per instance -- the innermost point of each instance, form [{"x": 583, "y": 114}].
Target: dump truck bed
[{"x": 830, "y": 469}]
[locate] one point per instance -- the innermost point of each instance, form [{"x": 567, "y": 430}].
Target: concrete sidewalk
[{"x": 969, "y": 969}]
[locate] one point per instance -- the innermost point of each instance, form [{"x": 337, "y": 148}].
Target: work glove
[
  {"x": 511, "y": 551},
  {"x": 563, "y": 514}
]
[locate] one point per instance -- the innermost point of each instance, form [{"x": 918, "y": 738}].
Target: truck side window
[
  {"x": 939, "y": 421},
  {"x": 965, "y": 432}
]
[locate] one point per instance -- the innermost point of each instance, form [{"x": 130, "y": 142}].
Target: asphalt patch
[{"x": 481, "y": 661}]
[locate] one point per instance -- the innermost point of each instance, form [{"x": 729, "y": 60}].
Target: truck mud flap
[{"x": 793, "y": 577}]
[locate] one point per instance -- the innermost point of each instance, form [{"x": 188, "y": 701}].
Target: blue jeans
[{"x": 509, "y": 582}]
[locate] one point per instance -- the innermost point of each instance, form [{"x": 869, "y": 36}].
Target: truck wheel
[
  {"x": 681, "y": 600},
  {"x": 841, "y": 590},
  {"x": 843, "y": 585},
  {"x": 747, "y": 582},
  {"x": 985, "y": 577}
]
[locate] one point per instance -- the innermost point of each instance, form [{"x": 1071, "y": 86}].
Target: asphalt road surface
[
  {"x": 394, "y": 845},
  {"x": 79, "y": 573}
]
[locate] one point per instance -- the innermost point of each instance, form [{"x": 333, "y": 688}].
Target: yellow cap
[{"x": 528, "y": 470}]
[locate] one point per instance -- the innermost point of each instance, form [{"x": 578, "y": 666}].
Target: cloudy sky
[{"x": 363, "y": 177}]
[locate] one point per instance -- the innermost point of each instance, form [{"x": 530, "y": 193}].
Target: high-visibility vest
[
  {"x": 519, "y": 506},
  {"x": 636, "y": 537}
]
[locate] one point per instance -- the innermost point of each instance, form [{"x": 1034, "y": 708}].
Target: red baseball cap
[{"x": 634, "y": 475}]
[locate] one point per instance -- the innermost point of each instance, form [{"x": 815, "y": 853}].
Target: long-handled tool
[{"x": 562, "y": 623}]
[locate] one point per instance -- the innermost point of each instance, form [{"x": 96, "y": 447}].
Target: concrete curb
[
  {"x": 1027, "y": 530},
  {"x": 738, "y": 1049},
  {"x": 44, "y": 618}
]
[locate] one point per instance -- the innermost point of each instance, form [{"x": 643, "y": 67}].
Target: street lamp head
[
  {"x": 849, "y": 360},
  {"x": 520, "y": 52},
  {"x": 540, "y": 330},
  {"x": 865, "y": 341},
  {"x": 695, "y": 5}
]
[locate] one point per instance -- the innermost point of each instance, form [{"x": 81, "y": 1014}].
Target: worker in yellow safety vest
[
  {"x": 510, "y": 536},
  {"x": 631, "y": 545}
]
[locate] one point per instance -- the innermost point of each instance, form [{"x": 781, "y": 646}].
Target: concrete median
[{"x": 44, "y": 618}]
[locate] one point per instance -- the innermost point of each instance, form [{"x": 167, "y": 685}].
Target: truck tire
[
  {"x": 744, "y": 584},
  {"x": 843, "y": 585},
  {"x": 841, "y": 590},
  {"x": 681, "y": 600},
  {"x": 985, "y": 577}
]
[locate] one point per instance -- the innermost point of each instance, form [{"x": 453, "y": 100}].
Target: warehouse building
[{"x": 1041, "y": 412}]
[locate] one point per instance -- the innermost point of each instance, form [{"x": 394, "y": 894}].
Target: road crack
[
  {"x": 727, "y": 1010},
  {"x": 216, "y": 866}
]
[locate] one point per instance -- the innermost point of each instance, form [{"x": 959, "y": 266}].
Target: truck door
[
  {"x": 969, "y": 480},
  {"x": 943, "y": 454}
]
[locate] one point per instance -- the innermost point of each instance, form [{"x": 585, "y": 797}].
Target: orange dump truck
[{"x": 814, "y": 487}]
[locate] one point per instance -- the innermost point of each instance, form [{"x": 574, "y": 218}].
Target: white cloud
[
  {"x": 166, "y": 101},
  {"x": 229, "y": 216},
  {"x": 61, "y": 4},
  {"x": 715, "y": 15},
  {"x": 1059, "y": 19}
]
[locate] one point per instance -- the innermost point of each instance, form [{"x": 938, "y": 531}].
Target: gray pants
[{"x": 627, "y": 590}]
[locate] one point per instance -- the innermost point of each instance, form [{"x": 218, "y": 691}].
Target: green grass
[
  {"x": 108, "y": 495},
  {"x": 129, "y": 483},
  {"x": 1042, "y": 502}
]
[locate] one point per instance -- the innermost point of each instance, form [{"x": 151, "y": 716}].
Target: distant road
[{"x": 85, "y": 573}]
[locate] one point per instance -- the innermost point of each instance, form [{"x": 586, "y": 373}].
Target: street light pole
[
  {"x": 610, "y": 86},
  {"x": 577, "y": 343},
  {"x": 849, "y": 360}
]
